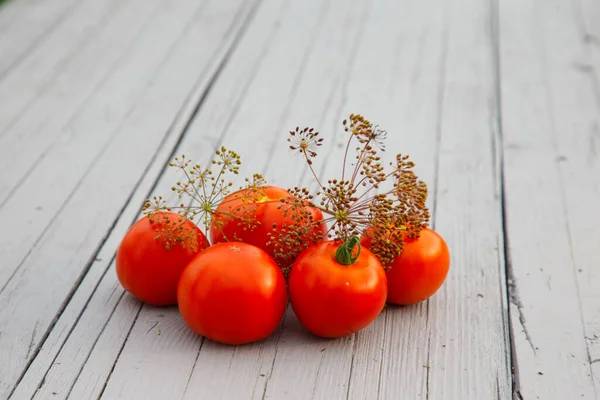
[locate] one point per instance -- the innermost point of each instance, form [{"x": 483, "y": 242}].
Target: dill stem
[
  {"x": 309, "y": 162},
  {"x": 215, "y": 182},
  {"x": 190, "y": 180},
  {"x": 360, "y": 160},
  {"x": 346, "y": 155}
]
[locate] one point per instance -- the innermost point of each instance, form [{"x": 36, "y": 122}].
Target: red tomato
[
  {"x": 146, "y": 268},
  {"x": 264, "y": 213},
  {"x": 232, "y": 293},
  {"x": 417, "y": 273},
  {"x": 334, "y": 300}
]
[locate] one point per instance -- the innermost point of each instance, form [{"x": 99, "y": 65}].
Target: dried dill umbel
[
  {"x": 384, "y": 204},
  {"x": 200, "y": 191}
]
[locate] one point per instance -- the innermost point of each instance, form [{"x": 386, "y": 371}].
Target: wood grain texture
[
  {"x": 25, "y": 24},
  {"x": 550, "y": 119},
  {"x": 99, "y": 205},
  {"x": 41, "y": 68},
  {"x": 474, "y": 91},
  {"x": 584, "y": 225},
  {"x": 93, "y": 126},
  {"x": 304, "y": 366},
  {"x": 242, "y": 372},
  {"x": 109, "y": 345},
  {"x": 307, "y": 367},
  {"x": 401, "y": 93},
  {"x": 467, "y": 321},
  {"x": 455, "y": 346},
  {"x": 69, "y": 346},
  {"x": 377, "y": 82},
  {"x": 58, "y": 122}
]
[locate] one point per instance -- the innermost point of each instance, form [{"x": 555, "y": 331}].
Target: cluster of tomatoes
[{"x": 234, "y": 292}]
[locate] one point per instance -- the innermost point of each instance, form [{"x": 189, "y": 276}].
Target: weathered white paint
[
  {"x": 91, "y": 88},
  {"x": 469, "y": 353},
  {"x": 25, "y": 24},
  {"x": 296, "y": 372},
  {"x": 423, "y": 70},
  {"x": 43, "y": 65},
  {"x": 78, "y": 144},
  {"x": 584, "y": 221},
  {"x": 33, "y": 139},
  {"x": 376, "y": 81},
  {"x": 218, "y": 25},
  {"x": 550, "y": 120},
  {"x": 411, "y": 345},
  {"x": 399, "y": 92},
  {"x": 140, "y": 137},
  {"x": 298, "y": 353},
  {"x": 308, "y": 367},
  {"x": 223, "y": 372}
]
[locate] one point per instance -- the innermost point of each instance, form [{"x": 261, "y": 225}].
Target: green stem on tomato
[{"x": 344, "y": 254}]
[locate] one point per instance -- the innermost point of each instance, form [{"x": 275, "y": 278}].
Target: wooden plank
[
  {"x": 426, "y": 348},
  {"x": 56, "y": 113},
  {"x": 91, "y": 126},
  {"x": 25, "y": 24},
  {"x": 224, "y": 371},
  {"x": 467, "y": 343},
  {"x": 111, "y": 328},
  {"x": 298, "y": 355},
  {"x": 97, "y": 363},
  {"x": 308, "y": 367},
  {"x": 401, "y": 92},
  {"x": 39, "y": 69},
  {"x": 550, "y": 119},
  {"x": 31, "y": 307},
  {"x": 584, "y": 223},
  {"x": 312, "y": 100},
  {"x": 59, "y": 363},
  {"x": 217, "y": 366}
]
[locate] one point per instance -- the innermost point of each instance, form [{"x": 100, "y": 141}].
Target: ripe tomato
[
  {"x": 246, "y": 217},
  {"x": 417, "y": 273},
  {"x": 153, "y": 254},
  {"x": 334, "y": 300},
  {"x": 232, "y": 293}
]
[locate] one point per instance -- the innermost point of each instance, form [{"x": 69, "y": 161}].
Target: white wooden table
[{"x": 497, "y": 101}]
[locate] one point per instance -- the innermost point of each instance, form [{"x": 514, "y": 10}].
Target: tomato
[
  {"x": 251, "y": 218},
  {"x": 334, "y": 300},
  {"x": 149, "y": 262},
  {"x": 417, "y": 273},
  {"x": 232, "y": 293}
]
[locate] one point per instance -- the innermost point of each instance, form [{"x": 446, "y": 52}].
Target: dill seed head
[
  {"x": 352, "y": 203},
  {"x": 305, "y": 141},
  {"x": 202, "y": 189},
  {"x": 173, "y": 232}
]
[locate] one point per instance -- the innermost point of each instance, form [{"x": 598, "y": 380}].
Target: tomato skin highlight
[
  {"x": 144, "y": 266},
  {"x": 267, "y": 212},
  {"x": 420, "y": 270},
  {"x": 232, "y": 293},
  {"x": 334, "y": 300}
]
